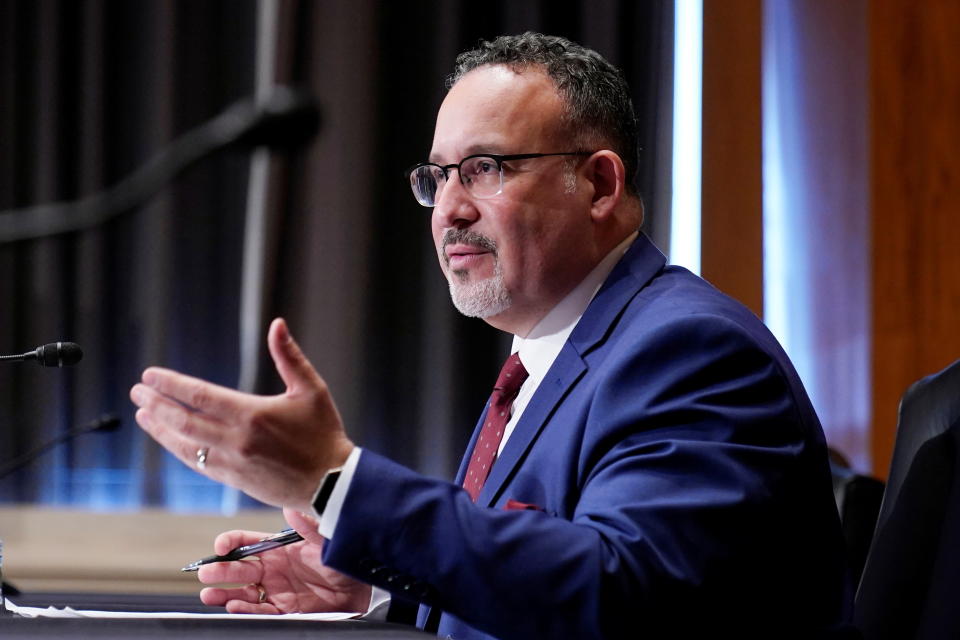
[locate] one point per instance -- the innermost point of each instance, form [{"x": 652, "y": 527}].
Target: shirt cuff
[
  {"x": 379, "y": 605},
  {"x": 331, "y": 514}
]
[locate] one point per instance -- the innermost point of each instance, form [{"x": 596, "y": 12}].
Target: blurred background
[
  {"x": 800, "y": 155},
  {"x": 326, "y": 234}
]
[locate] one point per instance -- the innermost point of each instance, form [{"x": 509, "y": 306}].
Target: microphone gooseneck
[{"x": 106, "y": 423}]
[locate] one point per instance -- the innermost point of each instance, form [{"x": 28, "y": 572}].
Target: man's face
[{"x": 512, "y": 257}]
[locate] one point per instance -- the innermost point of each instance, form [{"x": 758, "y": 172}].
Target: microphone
[
  {"x": 55, "y": 354},
  {"x": 106, "y": 423},
  {"x": 284, "y": 118}
]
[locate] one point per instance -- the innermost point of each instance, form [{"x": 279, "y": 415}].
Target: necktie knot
[{"x": 512, "y": 376}]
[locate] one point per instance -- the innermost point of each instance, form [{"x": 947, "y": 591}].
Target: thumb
[
  {"x": 306, "y": 525},
  {"x": 294, "y": 368}
]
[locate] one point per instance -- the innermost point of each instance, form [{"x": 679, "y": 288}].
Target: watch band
[{"x": 326, "y": 488}]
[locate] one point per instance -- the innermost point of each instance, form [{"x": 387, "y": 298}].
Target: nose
[{"x": 455, "y": 207}]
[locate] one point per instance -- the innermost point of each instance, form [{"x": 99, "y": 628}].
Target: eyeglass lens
[{"x": 480, "y": 175}]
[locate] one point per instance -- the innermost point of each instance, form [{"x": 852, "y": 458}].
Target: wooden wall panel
[
  {"x": 915, "y": 192},
  {"x": 732, "y": 196}
]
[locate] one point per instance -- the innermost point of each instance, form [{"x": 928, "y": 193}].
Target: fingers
[
  {"x": 212, "y": 399},
  {"x": 294, "y": 368},
  {"x": 159, "y": 413},
  {"x": 247, "y": 571},
  {"x": 183, "y": 413},
  {"x": 228, "y": 540},
  {"x": 187, "y": 449},
  {"x": 241, "y": 606},
  {"x": 244, "y": 599}
]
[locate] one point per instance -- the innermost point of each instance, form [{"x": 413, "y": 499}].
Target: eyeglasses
[{"x": 480, "y": 174}]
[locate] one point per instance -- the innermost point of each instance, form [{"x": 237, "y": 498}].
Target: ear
[{"x": 605, "y": 171}]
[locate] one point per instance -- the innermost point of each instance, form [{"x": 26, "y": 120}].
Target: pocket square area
[{"x": 514, "y": 505}]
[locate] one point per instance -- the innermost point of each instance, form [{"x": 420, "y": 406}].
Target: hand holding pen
[
  {"x": 292, "y": 579},
  {"x": 285, "y": 537}
]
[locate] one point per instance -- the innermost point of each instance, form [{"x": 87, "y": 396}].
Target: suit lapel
[{"x": 638, "y": 266}]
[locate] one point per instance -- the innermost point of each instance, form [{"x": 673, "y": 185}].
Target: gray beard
[{"x": 482, "y": 299}]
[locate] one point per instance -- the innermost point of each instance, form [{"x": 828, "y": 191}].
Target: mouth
[
  {"x": 461, "y": 256},
  {"x": 463, "y": 250}
]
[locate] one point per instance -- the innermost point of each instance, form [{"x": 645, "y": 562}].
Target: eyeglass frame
[{"x": 498, "y": 158}]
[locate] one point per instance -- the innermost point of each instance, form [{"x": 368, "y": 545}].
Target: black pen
[{"x": 285, "y": 537}]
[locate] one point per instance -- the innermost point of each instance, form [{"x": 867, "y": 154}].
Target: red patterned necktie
[{"x": 498, "y": 414}]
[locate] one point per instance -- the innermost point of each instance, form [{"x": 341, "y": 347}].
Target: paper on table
[{"x": 67, "y": 612}]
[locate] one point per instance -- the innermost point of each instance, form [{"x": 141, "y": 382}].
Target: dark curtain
[{"x": 90, "y": 90}]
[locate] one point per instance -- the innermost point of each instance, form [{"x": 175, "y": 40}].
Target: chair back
[
  {"x": 858, "y": 498},
  {"x": 911, "y": 579}
]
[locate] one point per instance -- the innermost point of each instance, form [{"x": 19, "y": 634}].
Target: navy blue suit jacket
[{"x": 671, "y": 478}]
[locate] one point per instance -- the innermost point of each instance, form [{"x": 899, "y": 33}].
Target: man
[{"x": 662, "y": 470}]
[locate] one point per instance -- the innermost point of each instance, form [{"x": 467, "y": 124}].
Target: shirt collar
[{"x": 544, "y": 342}]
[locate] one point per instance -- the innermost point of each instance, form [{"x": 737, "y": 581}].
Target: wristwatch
[{"x": 326, "y": 488}]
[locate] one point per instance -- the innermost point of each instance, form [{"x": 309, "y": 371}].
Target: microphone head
[
  {"x": 59, "y": 354},
  {"x": 106, "y": 423}
]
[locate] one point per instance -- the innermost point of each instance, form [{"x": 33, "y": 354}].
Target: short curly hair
[{"x": 598, "y": 108}]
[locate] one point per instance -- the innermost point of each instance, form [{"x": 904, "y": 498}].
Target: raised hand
[{"x": 274, "y": 448}]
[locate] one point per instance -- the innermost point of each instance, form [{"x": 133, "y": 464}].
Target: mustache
[{"x": 470, "y": 238}]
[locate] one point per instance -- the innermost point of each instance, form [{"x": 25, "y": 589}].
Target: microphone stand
[
  {"x": 106, "y": 422},
  {"x": 5, "y": 588}
]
